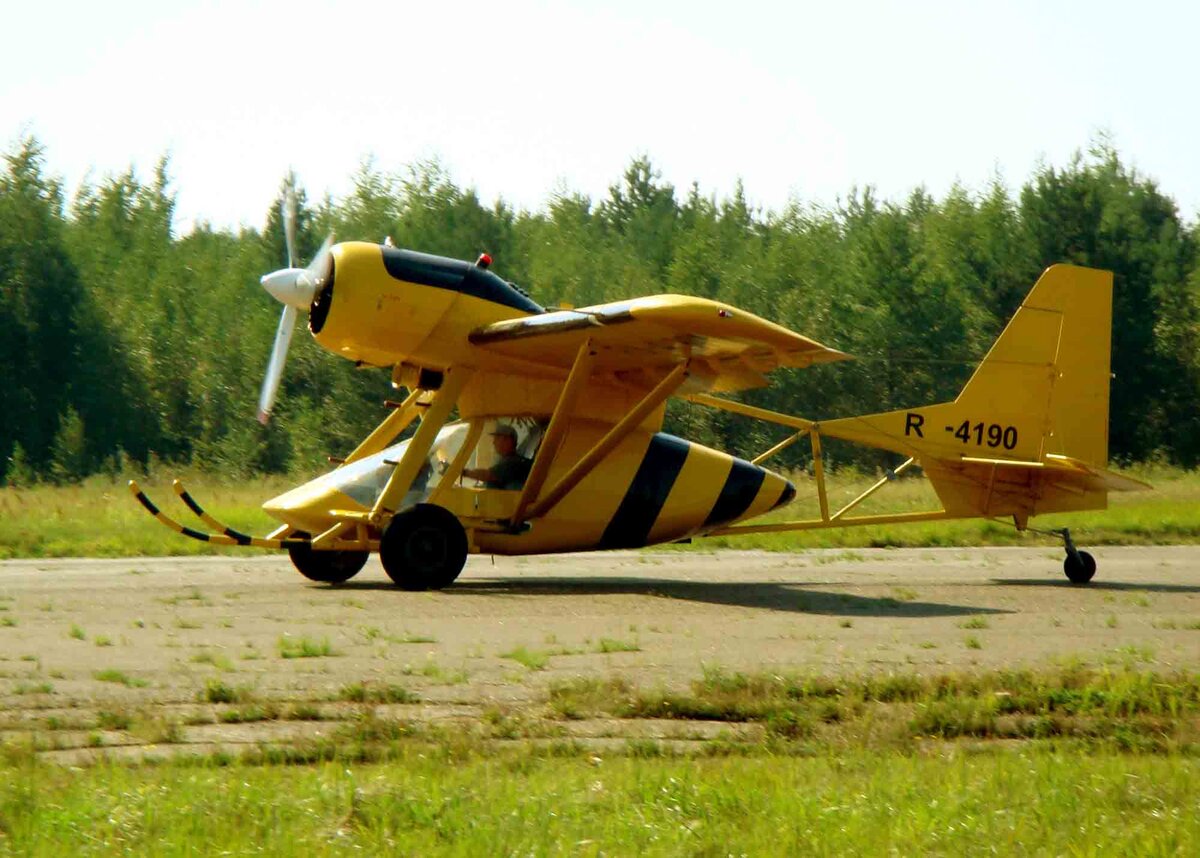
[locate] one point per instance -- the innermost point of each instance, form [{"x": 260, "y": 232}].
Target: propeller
[{"x": 295, "y": 288}]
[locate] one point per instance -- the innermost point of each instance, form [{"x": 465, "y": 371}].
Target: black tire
[
  {"x": 1080, "y": 567},
  {"x": 424, "y": 548},
  {"x": 328, "y": 567}
]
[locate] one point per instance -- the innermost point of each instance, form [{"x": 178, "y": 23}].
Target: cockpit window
[{"x": 364, "y": 480}]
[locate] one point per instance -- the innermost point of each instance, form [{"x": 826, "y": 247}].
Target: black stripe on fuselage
[
  {"x": 455, "y": 275},
  {"x": 740, "y": 489},
  {"x": 631, "y": 523}
]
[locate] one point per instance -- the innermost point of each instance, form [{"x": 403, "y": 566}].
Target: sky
[{"x": 523, "y": 99}]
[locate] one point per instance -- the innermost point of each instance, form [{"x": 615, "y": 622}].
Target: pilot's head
[{"x": 504, "y": 439}]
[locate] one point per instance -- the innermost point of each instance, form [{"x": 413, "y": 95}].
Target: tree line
[{"x": 122, "y": 342}]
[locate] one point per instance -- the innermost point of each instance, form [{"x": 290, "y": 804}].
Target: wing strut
[
  {"x": 392, "y": 425},
  {"x": 611, "y": 439},
  {"x": 410, "y": 463},
  {"x": 581, "y": 371}
]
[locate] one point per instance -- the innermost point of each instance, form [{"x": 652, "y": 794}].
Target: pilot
[{"x": 510, "y": 469}]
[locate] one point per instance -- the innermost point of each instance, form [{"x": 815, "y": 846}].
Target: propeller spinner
[{"x": 295, "y": 288}]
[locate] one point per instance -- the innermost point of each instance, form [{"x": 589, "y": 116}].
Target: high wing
[{"x": 648, "y": 336}]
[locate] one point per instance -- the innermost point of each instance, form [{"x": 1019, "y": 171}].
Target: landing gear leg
[{"x": 1079, "y": 565}]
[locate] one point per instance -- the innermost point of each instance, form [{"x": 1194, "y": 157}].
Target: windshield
[{"x": 364, "y": 480}]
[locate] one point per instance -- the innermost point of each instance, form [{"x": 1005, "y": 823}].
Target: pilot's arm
[{"x": 482, "y": 474}]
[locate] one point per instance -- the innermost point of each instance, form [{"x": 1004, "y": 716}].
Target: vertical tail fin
[
  {"x": 1042, "y": 388},
  {"x": 1053, "y": 360}
]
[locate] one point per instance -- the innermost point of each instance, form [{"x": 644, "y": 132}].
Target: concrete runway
[
  {"x": 822, "y": 611},
  {"x": 654, "y": 618}
]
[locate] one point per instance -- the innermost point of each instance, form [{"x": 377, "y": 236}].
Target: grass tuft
[
  {"x": 216, "y": 659},
  {"x": 120, "y": 678},
  {"x": 250, "y": 714},
  {"x": 108, "y": 720},
  {"x": 533, "y": 659},
  {"x": 216, "y": 691},
  {"x": 369, "y": 692},
  {"x": 305, "y": 647}
]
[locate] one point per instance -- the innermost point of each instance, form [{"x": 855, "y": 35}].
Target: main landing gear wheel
[
  {"x": 1079, "y": 565},
  {"x": 423, "y": 548},
  {"x": 328, "y": 567}
]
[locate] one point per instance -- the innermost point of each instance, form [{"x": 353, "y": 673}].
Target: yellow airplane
[{"x": 557, "y": 445}]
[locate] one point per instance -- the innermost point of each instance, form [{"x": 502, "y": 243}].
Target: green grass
[
  {"x": 305, "y": 647},
  {"x": 108, "y": 720},
  {"x": 534, "y": 659},
  {"x": 99, "y": 518},
  {"x": 371, "y": 692},
  {"x": 373, "y": 633},
  {"x": 1125, "y": 708},
  {"x": 216, "y": 691},
  {"x": 443, "y": 801},
  {"x": 218, "y": 660},
  {"x": 250, "y": 714},
  {"x": 1007, "y": 762},
  {"x": 120, "y": 678},
  {"x": 194, "y": 597}
]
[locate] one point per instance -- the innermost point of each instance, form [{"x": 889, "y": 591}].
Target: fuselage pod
[{"x": 653, "y": 488}]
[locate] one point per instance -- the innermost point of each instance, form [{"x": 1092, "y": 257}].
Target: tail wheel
[
  {"x": 328, "y": 567},
  {"x": 1080, "y": 567},
  {"x": 424, "y": 548}
]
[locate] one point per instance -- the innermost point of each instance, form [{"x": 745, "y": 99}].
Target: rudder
[{"x": 1053, "y": 359}]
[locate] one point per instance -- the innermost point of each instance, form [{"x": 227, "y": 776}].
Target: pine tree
[{"x": 68, "y": 452}]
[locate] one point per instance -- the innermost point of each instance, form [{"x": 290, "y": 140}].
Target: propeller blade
[
  {"x": 283, "y": 338},
  {"x": 289, "y": 222},
  {"x": 318, "y": 269}
]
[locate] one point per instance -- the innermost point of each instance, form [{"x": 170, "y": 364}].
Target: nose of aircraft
[{"x": 291, "y": 286}]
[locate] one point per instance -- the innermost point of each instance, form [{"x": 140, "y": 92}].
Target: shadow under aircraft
[{"x": 795, "y": 598}]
